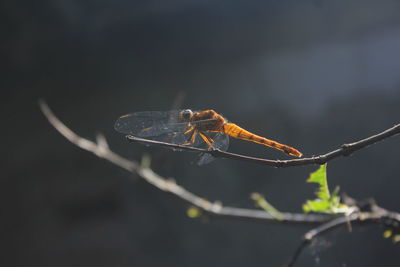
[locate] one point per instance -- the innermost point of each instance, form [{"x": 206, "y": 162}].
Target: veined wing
[
  {"x": 158, "y": 125},
  {"x": 150, "y": 123},
  {"x": 165, "y": 126},
  {"x": 221, "y": 142}
]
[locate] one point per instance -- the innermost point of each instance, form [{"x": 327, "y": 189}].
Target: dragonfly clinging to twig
[{"x": 192, "y": 128}]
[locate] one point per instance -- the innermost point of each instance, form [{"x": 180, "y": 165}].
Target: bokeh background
[{"x": 313, "y": 74}]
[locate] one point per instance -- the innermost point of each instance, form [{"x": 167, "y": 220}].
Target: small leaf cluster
[{"x": 326, "y": 201}]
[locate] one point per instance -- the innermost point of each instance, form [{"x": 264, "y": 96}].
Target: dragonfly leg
[
  {"x": 191, "y": 139},
  {"x": 189, "y": 130},
  {"x": 207, "y": 139}
]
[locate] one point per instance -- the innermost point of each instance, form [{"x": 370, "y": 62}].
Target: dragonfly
[{"x": 205, "y": 128}]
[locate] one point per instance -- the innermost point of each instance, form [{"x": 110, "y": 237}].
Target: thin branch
[
  {"x": 376, "y": 215},
  {"x": 323, "y": 228},
  {"x": 344, "y": 150}
]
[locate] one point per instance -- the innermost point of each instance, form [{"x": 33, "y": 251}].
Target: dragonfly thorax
[{"x": 208, "y": 120}]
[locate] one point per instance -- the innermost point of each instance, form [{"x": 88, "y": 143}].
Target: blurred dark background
[{"x": 313, "y": 74}]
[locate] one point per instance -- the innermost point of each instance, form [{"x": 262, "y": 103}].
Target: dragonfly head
[{"x": 186, "y": 115}]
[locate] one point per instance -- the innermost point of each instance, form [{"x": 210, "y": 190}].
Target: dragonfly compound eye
[{"x": 186, "y": 114}]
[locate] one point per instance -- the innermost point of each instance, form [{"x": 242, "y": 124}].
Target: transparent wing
[
  {"x": 150, "y": 123},
  {"x": 221, "y": 142},
  {"x": 165, "y": 126}
]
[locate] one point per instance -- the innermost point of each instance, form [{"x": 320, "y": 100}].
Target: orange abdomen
[{"x": 235, "y": 131}]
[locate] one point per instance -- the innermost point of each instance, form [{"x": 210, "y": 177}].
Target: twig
[
  {"x": 376, "y": 215},
  {"x": 310, "y": 235},
  {"x": 344, "y": 150}
]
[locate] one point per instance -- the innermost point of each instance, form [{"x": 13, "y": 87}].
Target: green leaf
[
  {"x": 326, "y": 202},
  {"x": 316, "y": 206},
  {"x": 319, "y": 177}
]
